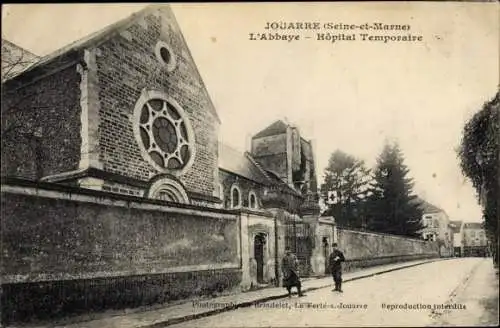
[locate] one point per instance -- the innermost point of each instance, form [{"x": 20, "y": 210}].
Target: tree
[
  {"x": 15, "y": 60},
  {"x": 391, "y": 206},
  {"x": 344, "y": 188},
  {"x": 479, "y": 156}
]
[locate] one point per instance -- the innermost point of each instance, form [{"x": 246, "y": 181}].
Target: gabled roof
[
  {"x": 275, "y": 180},
  {"x": 278, "y": 127},
  {"x": 105, "y": 34},
  {"x": 240, "y": 163},
  {"x": 92, "y": 39},
  {"x": 244, "y": 165},
  {"x": 426, "y": 207}
]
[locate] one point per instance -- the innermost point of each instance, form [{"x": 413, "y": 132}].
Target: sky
[{"x": 349, "y": 95}]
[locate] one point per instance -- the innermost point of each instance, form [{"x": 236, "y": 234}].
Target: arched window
[
  {"x": 168, "y": 190},
  {"x": 252, "y": 200},
  {"x": 235, "y": 197}
]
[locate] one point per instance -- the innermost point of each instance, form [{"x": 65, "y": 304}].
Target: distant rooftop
[
  {"x": 455, "y": 226},
  {"x": 427, "y": 207},
  {"x": 278, "y": 127},
  {"x": 473, "y": 225},
  {"x": 240, "y": 163}
]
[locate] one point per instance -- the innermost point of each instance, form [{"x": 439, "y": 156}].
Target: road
[{"x": 424, "y": 295}]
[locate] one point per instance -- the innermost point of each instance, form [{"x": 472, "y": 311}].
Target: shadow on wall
[{"x": 97, "y": 256}]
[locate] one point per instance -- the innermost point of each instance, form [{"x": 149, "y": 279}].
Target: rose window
[{"x": 164, "y": 134}]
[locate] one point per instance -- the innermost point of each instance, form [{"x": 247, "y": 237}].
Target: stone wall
[
  {"x": 324, "y": 237},
  {"x": 41, "y": 125},
  {"x": 65, "y": 249},
  {"x": 367, "y": 248},
  {"x": 260, "y": 224},
  {"x": 227, "y": 180}
]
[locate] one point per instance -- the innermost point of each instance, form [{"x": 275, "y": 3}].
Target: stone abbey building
[
  {"x": 126, "y": 111},
  {"x": 112, "y": 171},
  {"x": 116, "y": 192}
]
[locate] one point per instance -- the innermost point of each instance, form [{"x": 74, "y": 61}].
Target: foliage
[
  {"x": 345, "y": 188},
  {"x": 392, "y": 207},
  {"x": 15, "y": 60},
  {"x": 479, "y": 160}
]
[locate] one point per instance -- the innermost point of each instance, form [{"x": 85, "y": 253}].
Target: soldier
[
  {"x": 336, "y": 259},
  {"x": 289, "y": 266}
]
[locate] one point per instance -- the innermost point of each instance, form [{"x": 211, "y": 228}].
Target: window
[
  {"x": 252, "y": 200},
  {"x": 235, "y": 197},
  {"x": 165, "y": 56},
  {"x": 164, "y": 133},
  {"x": 430, "y": 237},
  {"x": 168, "y": 190}
]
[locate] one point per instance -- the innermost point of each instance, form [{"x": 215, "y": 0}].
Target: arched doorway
[{"x": 258, "y": 244}]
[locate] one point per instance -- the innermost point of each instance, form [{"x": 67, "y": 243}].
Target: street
[{"x": 431, "y": 294}]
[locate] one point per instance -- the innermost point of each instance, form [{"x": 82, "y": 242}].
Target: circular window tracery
[{"x": 163, "y": 132}]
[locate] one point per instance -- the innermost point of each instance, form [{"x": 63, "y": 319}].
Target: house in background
[
  {"x": 458, "y": 241},
  {"x": 475, "y": 241},
  {"x": 436, "y": 227}
]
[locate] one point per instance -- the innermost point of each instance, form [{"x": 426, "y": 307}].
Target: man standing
[
  {"x": 289, "y": 267},
  {"x": 336, "y": 259}
]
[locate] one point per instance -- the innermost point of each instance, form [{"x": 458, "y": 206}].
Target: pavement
[
  {"x": 192, "y": 310},
  {"x": 418, "y": 296},
  {"x": 479, "y": 295}
]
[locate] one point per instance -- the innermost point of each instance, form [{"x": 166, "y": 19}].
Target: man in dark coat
[
  {"x": 336, "y": 259},
  {"x": 289, "y": 267}
]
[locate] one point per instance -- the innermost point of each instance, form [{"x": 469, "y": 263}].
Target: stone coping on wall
[
  {"x": 326, "y": 220},
  {"x": 381, "y": 234},
  {"x": 41, "y": 277},
  {"x": 387, "y": 257},
  {"x": 256, "y": 212},
  {"x": 56, "y": 191}
]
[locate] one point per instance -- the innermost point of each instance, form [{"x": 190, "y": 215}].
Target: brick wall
[
  {"x": 120, "y": 188},
  {"x": 126, "y": 65},
  {"x": 41, "y": 126}
]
